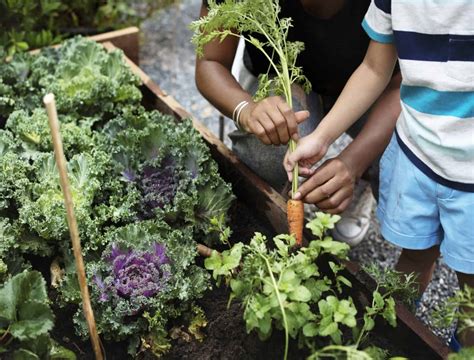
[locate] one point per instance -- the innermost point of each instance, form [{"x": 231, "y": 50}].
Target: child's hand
[{"x": 309, "y": 151}]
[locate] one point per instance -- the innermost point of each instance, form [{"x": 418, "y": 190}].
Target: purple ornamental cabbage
[
  {"x": 138, "y": 273},
  {"x": 158, "y": 187}
]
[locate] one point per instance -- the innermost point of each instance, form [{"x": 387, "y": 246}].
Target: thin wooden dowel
[
  {"x": 71, "y": 219},
  {"x": 204, "y": 251}
]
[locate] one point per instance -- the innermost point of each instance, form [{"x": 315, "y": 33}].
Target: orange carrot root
[{"x": 295, "y": 213}]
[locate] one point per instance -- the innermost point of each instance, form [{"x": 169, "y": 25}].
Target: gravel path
[{"x": 168, "y": 57}]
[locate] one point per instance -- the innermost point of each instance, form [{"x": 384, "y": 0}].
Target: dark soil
[{"x": 226, "y": 338}]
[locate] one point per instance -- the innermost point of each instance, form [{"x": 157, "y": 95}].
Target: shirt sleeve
[{"x": 378, "y": 21}]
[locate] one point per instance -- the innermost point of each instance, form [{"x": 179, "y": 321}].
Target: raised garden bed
[
  {"x": 411, "y": 336},
  {"x": 259, "y": 208}
]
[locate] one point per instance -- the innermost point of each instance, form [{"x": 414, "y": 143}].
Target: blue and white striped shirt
[{"x": 435, "y": 44}]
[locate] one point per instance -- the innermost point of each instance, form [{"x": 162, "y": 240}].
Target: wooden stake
[
  {"x": 204, "y": 251},
  {"x": 71, "y": 219}
]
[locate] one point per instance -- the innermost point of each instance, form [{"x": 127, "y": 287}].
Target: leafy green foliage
[
  {"x": 120, "y": 317},
  {"x": 464, "y": 354},
  {"x": 349, "y": 352},
  {"x": 401, "y": 286},
  {"x": 26, "y": 319},
  {"x": 147, "y": 144},
  {"x": 257, "y": 22},
  {"x": 95, "y": 88},
  {"x": 281, "y": 287},
  {"x": 135, "y": 176},
  {"x": 89, "y": 81},
  {"x": 460, "y": 308},
  {"x": 54, "y": 20}
]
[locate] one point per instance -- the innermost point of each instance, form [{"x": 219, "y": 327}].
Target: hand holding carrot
[
  {"x": 330, "y": 187},
  {"x": 310, "y": 150}
]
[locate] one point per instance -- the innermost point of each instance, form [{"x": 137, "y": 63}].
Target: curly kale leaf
[
  {"x": 43, "y": 211},
  {"x": 14, "y": 173},
  {"x": 90, "y": 81},
  {"x": 33, "y": 133},
  {"x": 7, "y": 246},
  {"x": 19, "y": 84}
]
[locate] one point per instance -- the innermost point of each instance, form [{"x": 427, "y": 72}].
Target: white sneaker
[{"x": 355, "y": 220}]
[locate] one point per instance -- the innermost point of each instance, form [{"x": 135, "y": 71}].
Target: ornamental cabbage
[
  {"x": 147, "y": 270},
  {"x": 139, "y": 272},
  {"x": 144, "y": 187}
]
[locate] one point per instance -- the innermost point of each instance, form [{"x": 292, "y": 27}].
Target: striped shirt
[{"x": 435, "y": 44}]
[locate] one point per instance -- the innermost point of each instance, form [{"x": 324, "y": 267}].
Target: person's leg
[
  {"x": 419, "y": 262},
  {"x": 409, "y": 214},
  {"x": 457, "y": 215}
]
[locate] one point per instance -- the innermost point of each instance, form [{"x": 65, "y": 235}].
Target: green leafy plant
[
  {"x": 463, "y": 354},
  {"x": 390, "y": 284},
  {"x": 26, "y": 320},
  {"x": 460, "y": 308},
  {"x": 55, "y": 20},
  {"x": 148, "y": 268},
  {"x": 280, "y": 288},
  {"x": 139, "y": 179},
  {"x": 258, "y": 23}
]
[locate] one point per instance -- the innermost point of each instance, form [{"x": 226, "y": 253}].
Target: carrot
[{"x": 295, "y": 213}]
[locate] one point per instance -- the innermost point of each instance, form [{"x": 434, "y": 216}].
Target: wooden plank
[
  {"x": 406, "y": 320},
  {"x": 125, "y": 39},
  {"x": 266, "y": 201}
]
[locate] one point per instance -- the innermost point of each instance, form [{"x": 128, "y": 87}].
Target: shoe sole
[{"x": 352, "y": 241}]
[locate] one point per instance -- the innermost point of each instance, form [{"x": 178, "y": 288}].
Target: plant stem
[
  {"x": 292, "y": 143},
  {"x": 5, "y": 333},
  {"x": 294, "y": 182},
  {"x": 280, "y": 303}
]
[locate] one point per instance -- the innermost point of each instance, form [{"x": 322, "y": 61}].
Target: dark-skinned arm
[{"x": 271, "y": 119}]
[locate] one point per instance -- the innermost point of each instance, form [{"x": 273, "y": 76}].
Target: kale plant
[
  {"x": 137, "y": 273},
  {"x": 170, "y": 167},
  {"x": 145, "y": 277},
  {"x": 89, "y": 81}
]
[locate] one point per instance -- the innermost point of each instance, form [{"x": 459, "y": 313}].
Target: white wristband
[
  {"x": 236, "y": 113},
  {"x": 237, "y": 117}
]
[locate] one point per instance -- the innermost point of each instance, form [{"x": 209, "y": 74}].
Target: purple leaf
[{"x": 139, "y": 273}]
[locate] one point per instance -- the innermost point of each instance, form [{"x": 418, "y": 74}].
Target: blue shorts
[{"x": 416, "y": 212}]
